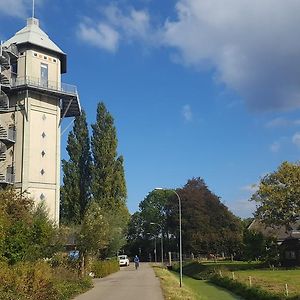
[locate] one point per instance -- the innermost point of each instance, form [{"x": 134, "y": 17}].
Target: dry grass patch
[{"x": 170, "y": 286}]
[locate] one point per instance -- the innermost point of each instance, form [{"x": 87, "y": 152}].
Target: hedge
[{"x": 102, "y": 268}]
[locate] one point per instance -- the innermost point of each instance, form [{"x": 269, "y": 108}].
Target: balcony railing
[
  {"x": 46, "y": 85},
  {"x": 9, "y": 177}
]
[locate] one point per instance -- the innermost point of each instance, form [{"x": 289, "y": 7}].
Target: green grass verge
[{"x": 170, "y": 286}]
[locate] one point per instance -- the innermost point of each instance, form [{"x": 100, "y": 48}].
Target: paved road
[{"x": 127, "y": 284}]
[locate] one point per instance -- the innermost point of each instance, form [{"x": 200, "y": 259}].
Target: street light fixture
[
  {"x": 180, "y": 235},
  {"x": 161, "y": 243}
]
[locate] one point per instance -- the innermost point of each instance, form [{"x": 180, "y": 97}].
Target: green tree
[
  {"x": 108, "y": 180},
  {"x": 207, "y": 224},
  {"x": 26, "y": 232},
  {"x": 75, "y": 193},
  {"x": 104, "y": 149},
  {"x": 278, "y": 196},
  {"x": 93, "y": 235}
]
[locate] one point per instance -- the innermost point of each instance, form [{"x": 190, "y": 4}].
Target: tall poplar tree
[
  {"x": 75, "y": 193},
  {"x": 108, "y": 180}
]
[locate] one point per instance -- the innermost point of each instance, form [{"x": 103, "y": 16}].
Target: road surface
[{"x": 127, "y": 284}]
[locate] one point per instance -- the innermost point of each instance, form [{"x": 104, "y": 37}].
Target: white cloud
[
  {"x": 114, "y": 26},
  {"x": 252, "y": 188},
  {"x": 243, "y": 208},
  {"x": 275, "y": 147},
  {"x": 17, "y": 8},
  {"x": 252, "y": 46},
  {"x": 296, "y": 139},
  {"x": 281, "y": 122},
  {"x": 101, "y": 36},
  {"x": 187, "y": 113}
]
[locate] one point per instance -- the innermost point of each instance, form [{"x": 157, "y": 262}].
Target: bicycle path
[{"x": 127, "y": 284}]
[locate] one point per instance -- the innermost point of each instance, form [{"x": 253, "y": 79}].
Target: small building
[{"x": 290, "y": 252}]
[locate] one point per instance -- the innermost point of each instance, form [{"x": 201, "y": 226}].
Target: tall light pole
[
  {"x": 161, "y": 243},
  {"x": 180, "y": 235}
]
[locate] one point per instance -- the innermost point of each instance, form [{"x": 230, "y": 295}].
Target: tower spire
[{"x": 32, "y": 8}]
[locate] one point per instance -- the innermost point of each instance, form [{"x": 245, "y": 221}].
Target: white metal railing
[{"x": 47, "y": 85}]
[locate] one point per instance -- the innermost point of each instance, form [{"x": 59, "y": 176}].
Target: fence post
[
  {"x": 286, "y": 290},
  {"x": 250, "y": 281},
  {"x": 233, "y": 275}
]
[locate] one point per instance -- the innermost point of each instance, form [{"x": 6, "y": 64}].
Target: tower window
[
  {"x": 44, "y": 117},
  {"x": 42, "y": 197},
  {"x": 35, "y": 54},
  {"x": 43, "y": 135},
  {"x": 42, "y": 171},
  {"x": 43, "y": 153},
  {"x": 44, "y": 74}
]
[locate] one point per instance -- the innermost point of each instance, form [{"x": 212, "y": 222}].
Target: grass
[
  {"x": 192, "y": 289},
  {"x": 271, "y": 280},
  {"x": 207, "y": 291},
  {"x": 170, "y": 286}
]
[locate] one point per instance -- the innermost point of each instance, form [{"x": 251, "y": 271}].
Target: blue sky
[{"x": 207, "y": 88}]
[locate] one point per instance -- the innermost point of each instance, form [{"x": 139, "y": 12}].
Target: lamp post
[
  {"x": 155, "y": 260},
  {"x": 180, "y": 235},
  {"x": 161, "y": 243}
]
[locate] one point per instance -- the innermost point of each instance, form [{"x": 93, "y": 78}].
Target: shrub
[{"x": 103, "y": 268}]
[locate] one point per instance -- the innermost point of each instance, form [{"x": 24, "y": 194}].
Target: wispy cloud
[
  {"x": 113, "y": 26},
  {"x": 187, "y": 113},
  {"x": 101, "y": 36},
  {"x": 224, "y": 36},
  {"x": 17, "y": 8},
  {"x": 282, "y": 122},
  {"x": 275, "y": 147},
  {"x": 242, "y": 207},
  {"x": 296, "y": 139},
  {"x": 252, "y": 188}
]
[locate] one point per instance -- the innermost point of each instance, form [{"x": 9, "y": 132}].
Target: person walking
[{"x": 136, "y": 262}]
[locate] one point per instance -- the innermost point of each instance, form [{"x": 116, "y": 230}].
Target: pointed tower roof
[{"x": 34, "y": 35}]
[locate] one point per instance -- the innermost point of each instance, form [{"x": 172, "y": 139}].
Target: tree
[
  {"x": 207, "y": 224},
  {"x": 104, "y": 149},
  {"x": 278, "y": 196},
  {"x": 75, "y": 193},
  {"x": 26, "y": 233},
  {"x": 108, "y": 180},
  {"x": 93, "y": 235}
]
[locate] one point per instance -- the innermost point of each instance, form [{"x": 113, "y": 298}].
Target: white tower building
[{"x": 33, "y": 101}]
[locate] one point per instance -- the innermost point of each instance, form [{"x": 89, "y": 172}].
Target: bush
[
  {"x": 35, "y": 281},
  {"x": 103, "y": 268}
]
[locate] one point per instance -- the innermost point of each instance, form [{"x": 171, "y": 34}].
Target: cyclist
[{"x": 136, "y": 262}]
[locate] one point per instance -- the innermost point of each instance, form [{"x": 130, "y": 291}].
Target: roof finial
[{"x": 32, "y": 8}]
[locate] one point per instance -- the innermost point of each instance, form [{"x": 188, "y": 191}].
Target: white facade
[{"x": 32, "y": 102}]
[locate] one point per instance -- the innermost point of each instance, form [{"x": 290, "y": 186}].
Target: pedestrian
[{"x": 136, "y": 262}]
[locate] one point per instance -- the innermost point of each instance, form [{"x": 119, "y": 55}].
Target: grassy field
[
  {"x": 271, "y": 280},
  {"x": 192, "y": 289}
]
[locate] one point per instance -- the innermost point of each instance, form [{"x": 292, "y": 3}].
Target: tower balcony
[
  {"x": 7, "y": 135},
  {"x": 66, "y": 92},
  {"x": 8, "y": 177}
]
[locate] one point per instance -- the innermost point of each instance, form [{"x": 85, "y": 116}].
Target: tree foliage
[
  {"x": 26, "y": 233},
  {"x": 75, "y": 193},
  {"x": 207, "y": 224},
  {"x": 278, "y": 196},
  {"x": 108, "y": 180}
]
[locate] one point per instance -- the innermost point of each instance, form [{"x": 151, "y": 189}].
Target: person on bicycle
[{"x": 136, "y": 262}]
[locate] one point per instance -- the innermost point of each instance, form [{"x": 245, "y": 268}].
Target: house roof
[
  {"x": 279, "y": 232},
  {"x": 32, "y": 34}
]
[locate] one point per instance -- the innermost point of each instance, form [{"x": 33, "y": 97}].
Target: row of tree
[
  {"x": 207, "y": 224},
  {"x": 93, "y": 195}
]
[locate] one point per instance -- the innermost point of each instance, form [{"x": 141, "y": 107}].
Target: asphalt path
[{"x": 127, "y": 284}]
